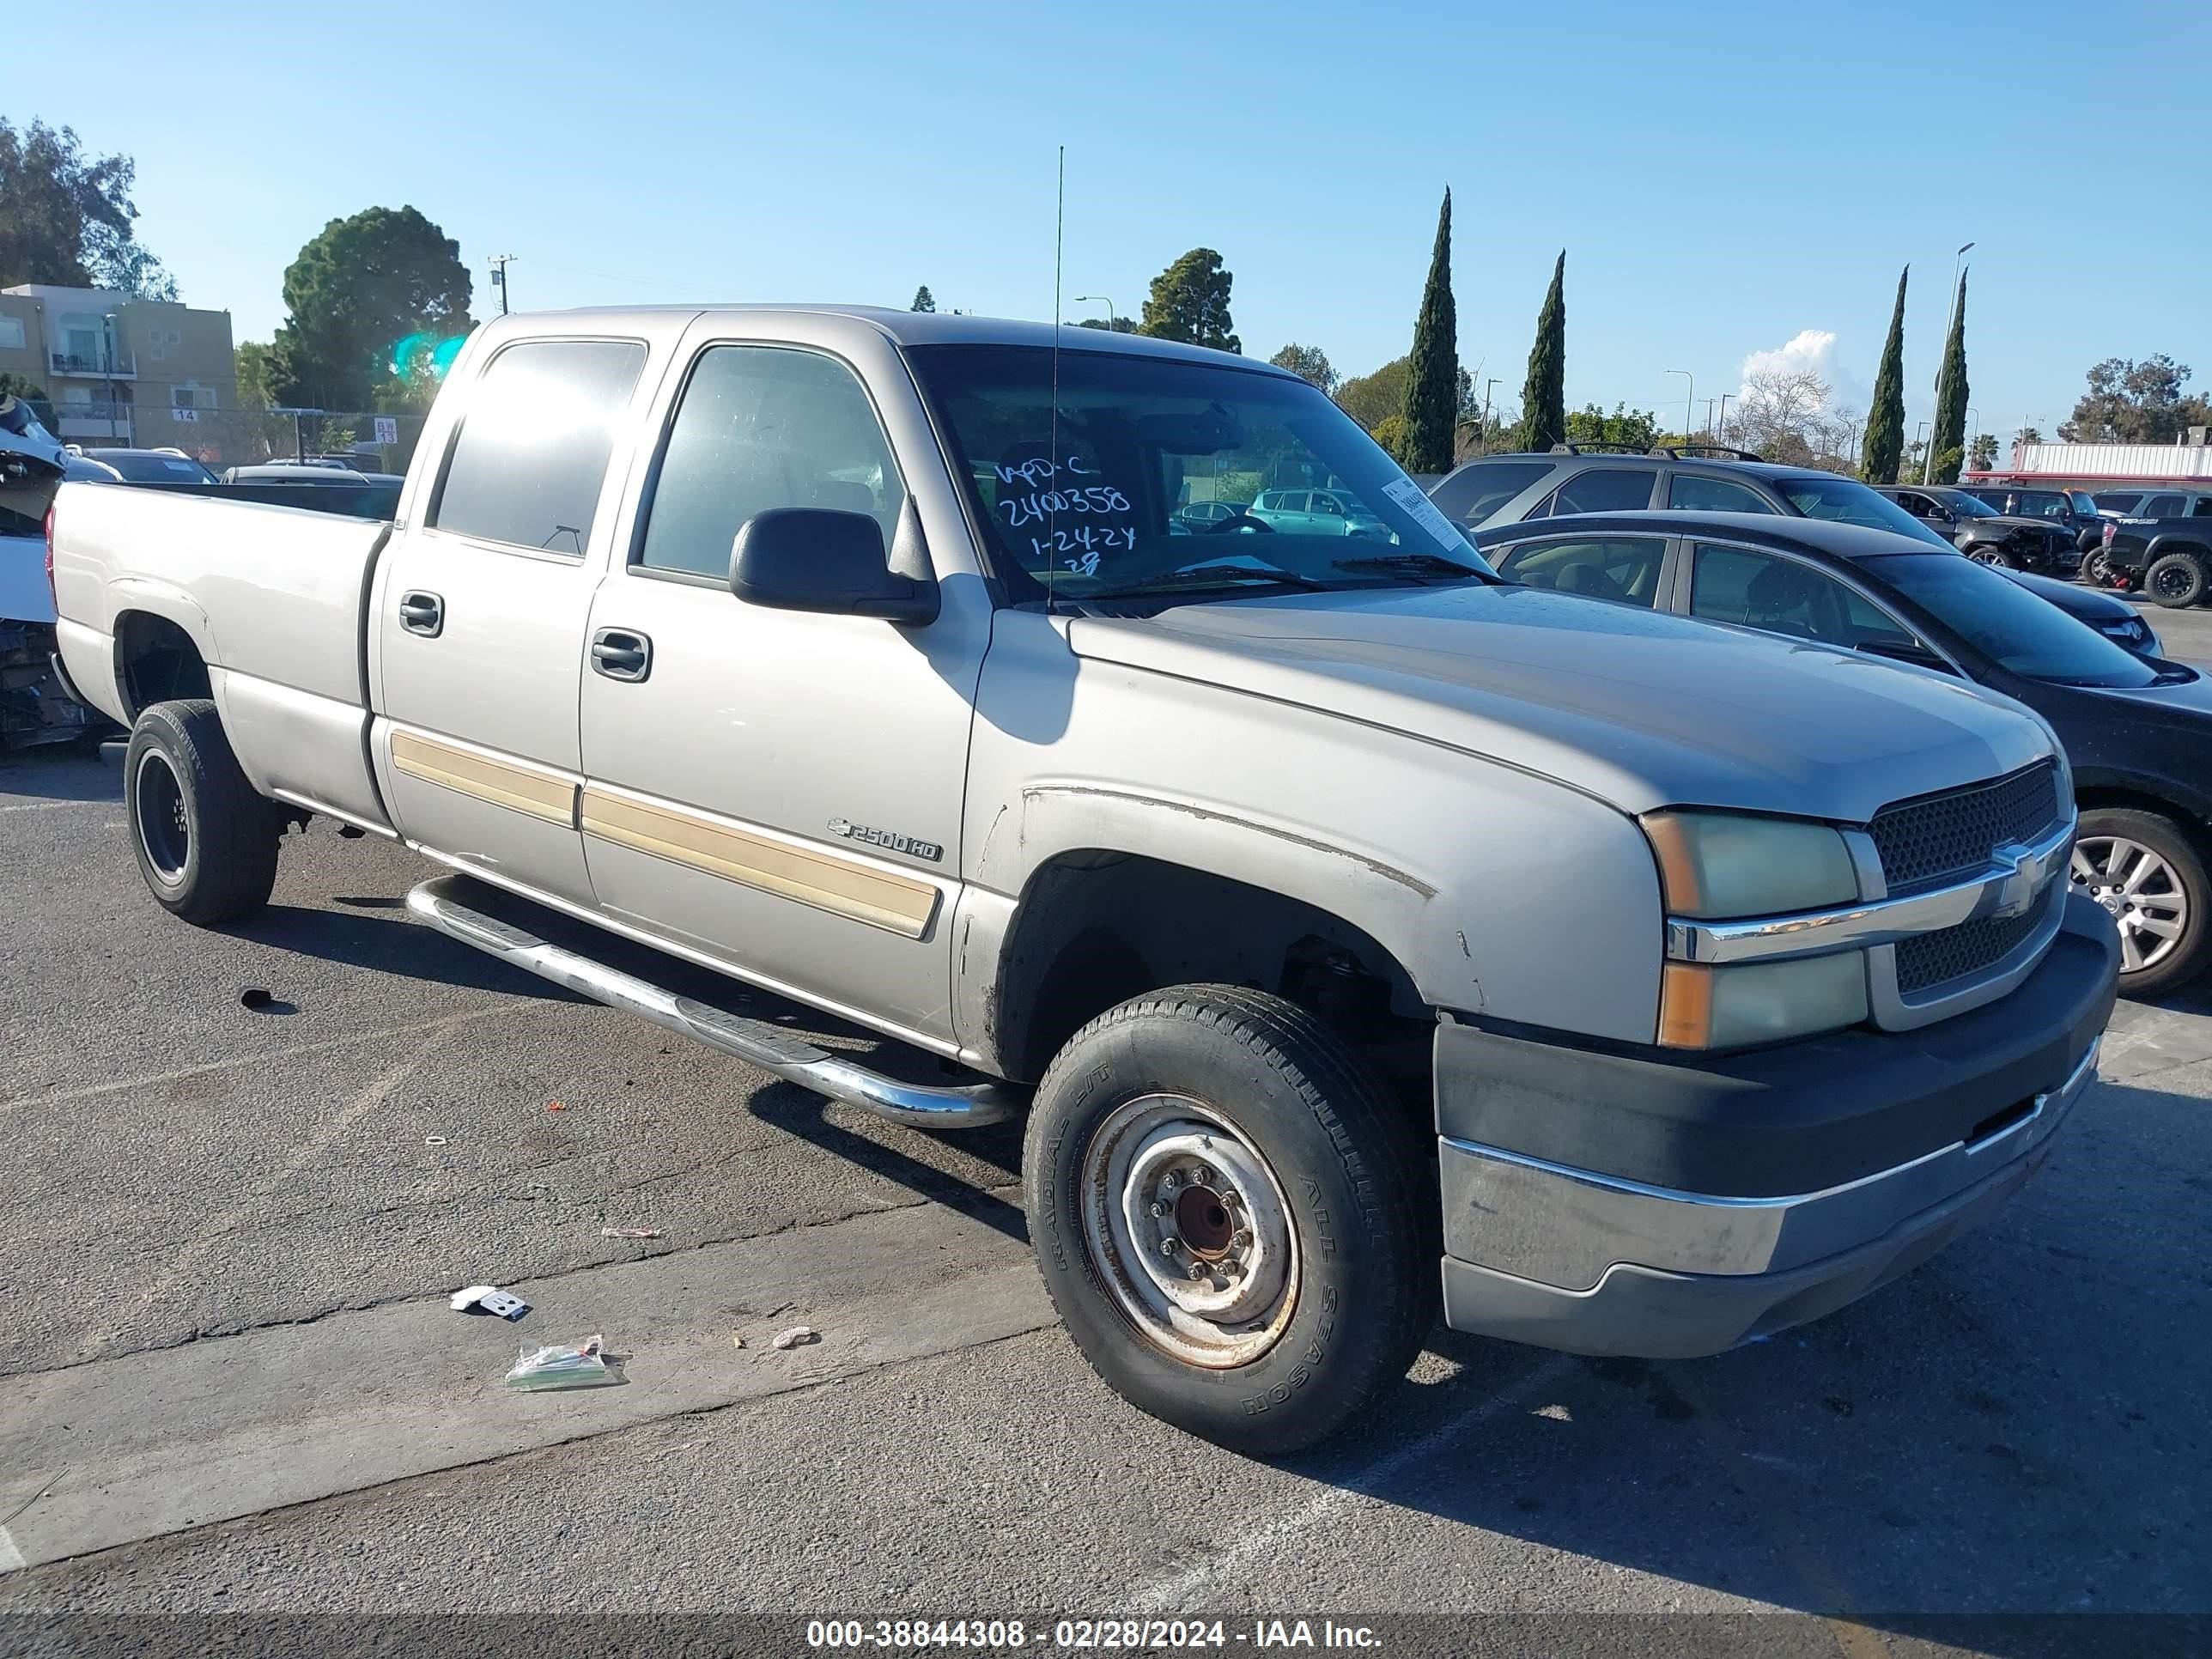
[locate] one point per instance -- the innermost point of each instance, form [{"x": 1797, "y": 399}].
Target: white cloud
[{"x": 1813, "y": 348}]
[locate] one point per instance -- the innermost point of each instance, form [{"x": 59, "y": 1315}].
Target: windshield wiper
[
  {"x": 1217, "y": 577},
  {"x": 1435, "y": 563}
]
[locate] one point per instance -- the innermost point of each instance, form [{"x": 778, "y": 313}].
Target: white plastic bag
[{"x": 564, "y": 1365}]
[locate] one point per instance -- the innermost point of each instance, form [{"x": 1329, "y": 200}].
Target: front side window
[
  {"x": 1473, "y": 494},
  {"x": 2203, "y": 507},
  {"x": 762, "y": 427},
  {"x": 1623, "y": 568},
  {"x": 536, "y": 435},
  {"x": 2162, "y": 506},
  {"x": 1693, "y": 492},
  {"x": 1601, "y": 489},
  {"x": 1780, "y": 596},
  {"x": 1097, "y": 492},
  {"x": 2122, "y": 501},
  {"x": 2015, "y": 628}
]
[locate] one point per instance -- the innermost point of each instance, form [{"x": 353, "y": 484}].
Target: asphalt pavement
[{"x": 231, "y": 1381}]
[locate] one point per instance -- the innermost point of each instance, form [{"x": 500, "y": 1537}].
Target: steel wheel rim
[
  {"x": 165, "y": 831},
  {"x": 2140, "y": 890},
  {"x": 1189, "y": 1229}
]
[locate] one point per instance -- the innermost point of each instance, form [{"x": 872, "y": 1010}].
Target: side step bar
[{"x": 438, "y": 902}]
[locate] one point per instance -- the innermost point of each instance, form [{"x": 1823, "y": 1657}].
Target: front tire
[
  {"x": 206, "y": 840},
  {"x": 2149, "y": 874},
  {"x": 2175, "y": 580},
  {"x": 1234, "y": 1220},
  {"x": 2097, "y": 568},
  {"x": 1989, "y": 553}
]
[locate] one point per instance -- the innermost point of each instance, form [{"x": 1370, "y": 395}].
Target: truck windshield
[
  {"x": 2013, "y": 628},
  {"x": 1846, "y": 500},
  {"x": 1147, "y": 474}
]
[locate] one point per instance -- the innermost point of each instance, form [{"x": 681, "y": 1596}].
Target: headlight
[
  {"x": 1702, "y": 1007},
  {"x": 1728, "y": 864}
]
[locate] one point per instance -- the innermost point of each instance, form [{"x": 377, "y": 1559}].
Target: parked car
[
  {"x": 2075, "y": 509},
  {"x": 35, "y": 708},
  {"x": 1329, "y": 906},
  {"x": 1594, "y": 478},
  {"x": 1316, "y": 512},
  {"x": 2138, "y": 732},
  {"x": 1200, "y": 518},
  {"x": 152, "y": 465},
  {"x": 2164, "y": 501},
  {"x": 1983, "y": 534},
  {"x": 2169, "y": 560}
]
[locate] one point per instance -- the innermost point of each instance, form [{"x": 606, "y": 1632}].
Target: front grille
[
  {"x": 1951, "y": 837},
  {"x": 1928, "y": 962}
]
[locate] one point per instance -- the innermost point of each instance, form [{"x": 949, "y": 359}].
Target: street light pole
[
  {"x": 1928, "y": 460},
  {"x": 1486, "y": 385},
  {"x": 499, "y": 263},
  {"x": 1721, "y": 437},
  {"x": 1689, "y": 402},
  {"x": 1098, "y": 300}
]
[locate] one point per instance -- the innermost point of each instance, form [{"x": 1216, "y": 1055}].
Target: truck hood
[{"x": 1639, "y": 710}]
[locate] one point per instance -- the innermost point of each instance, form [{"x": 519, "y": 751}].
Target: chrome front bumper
[{"x": 1564, "y": 1258}]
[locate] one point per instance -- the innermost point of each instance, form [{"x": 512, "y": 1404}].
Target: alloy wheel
[{"x": 2141, "y": 892}]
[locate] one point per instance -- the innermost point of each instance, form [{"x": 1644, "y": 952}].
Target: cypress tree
[
  {"x": 1884, "y": 427},
  {"x": 1543, "y": 395},
  {"x": 1432, "y": 383},
  {"x": 1950, "y": 434}
]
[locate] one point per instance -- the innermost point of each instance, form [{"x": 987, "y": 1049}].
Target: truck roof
[{"x": 908, "y": 328}]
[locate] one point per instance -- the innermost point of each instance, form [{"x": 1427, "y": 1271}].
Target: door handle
[
  {"x": 621, "y": 654},
  {"x": 423, "y": 613}
]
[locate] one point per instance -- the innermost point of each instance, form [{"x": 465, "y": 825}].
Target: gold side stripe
[
  {"x": 504, "y": 783},
  {"x": 899, "y": 904}
]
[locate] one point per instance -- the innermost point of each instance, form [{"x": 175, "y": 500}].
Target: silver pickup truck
[{"x": 1350, "y": 925}]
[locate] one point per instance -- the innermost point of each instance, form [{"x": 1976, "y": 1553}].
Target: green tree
[
  {"x": 1544, "y": 395},
  {"x": 1309, "y": 363},
  {"x": 1190, "y": 302},
  {"x": 1637, "y": 428},
  {"x": 358, "y": 296},
  {"x": 1949, "y": 437},
  {"x": 2134, "y": 403},
  {"x": 1372, "y": 399},
  {"x": 1390, "y": 433},
  {"x": 66, "y": 217},
  {"x": 1110, "y": 324},
  {"x": 923, "y": 299},
  {"x": 259, "y": 372},
  {"x": 1982, "y": 454},
  {"x": 2028, "y": 435},
  {"x": 1432, "y": 388},
  {"x": 1884, "y": 443}
]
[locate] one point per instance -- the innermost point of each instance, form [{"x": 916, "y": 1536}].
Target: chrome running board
[{"x": 438, "y": 903}]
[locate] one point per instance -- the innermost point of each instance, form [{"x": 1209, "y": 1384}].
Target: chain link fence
[{"x": 144, "y": 414}]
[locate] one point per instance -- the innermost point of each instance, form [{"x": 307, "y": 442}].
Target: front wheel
[
  {"x": 206, "y": 839},
  {"x": 2097, "y": 569},
  {"x": 1234, "y": 1219},
  {"x": 2175, "y": 580},
  {"x": 2148, "y": 874},
  {"x": 1989, "y": 553}
]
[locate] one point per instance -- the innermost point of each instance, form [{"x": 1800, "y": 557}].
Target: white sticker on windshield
[{"x": 1407, "y": 494}]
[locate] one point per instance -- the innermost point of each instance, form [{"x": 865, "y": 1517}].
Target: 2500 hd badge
[{"x": 890, "y": 839}]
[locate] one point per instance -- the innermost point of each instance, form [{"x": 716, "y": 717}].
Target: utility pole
[
  {"x": 1721, "y": 436},
  {"x": 1943, "y": 365},
  {"x": 1709, "y": 416},
  {"x": 1689, "y": 401},
  {"x": 1486, "y": 385},
  {"x": 499, "y": 263}
]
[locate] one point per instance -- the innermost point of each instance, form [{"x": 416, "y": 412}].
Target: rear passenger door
[
  {"x": 1625, "y": 569},
  {"x": 479, "y": 634},
  {"x": 780, "y": 790}
]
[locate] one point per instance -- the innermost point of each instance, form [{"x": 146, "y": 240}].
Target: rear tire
[
  {"x": 2175, "y": 580},
  {"x": 2116, "y": 849},
  {"x": 1989, "y": 553},
  {"x": 1300, "y": 1282},
  {"x": 206, "y": 841}
]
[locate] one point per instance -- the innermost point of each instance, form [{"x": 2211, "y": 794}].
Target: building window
[
  {"x": 186, "y": 397},
  {"x": 11, "y": 334}
]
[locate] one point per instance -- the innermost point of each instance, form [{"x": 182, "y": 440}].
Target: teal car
[{"x": 1316, "y": 512}]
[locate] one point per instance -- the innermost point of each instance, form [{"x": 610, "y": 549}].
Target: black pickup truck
[{"x": 2168, "y": 560}]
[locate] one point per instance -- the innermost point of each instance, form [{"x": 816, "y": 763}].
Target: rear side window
[
  {"x": 534, "y": 442},
  {"x": 1601, "y": 489},
  {"x": 1473, "y": 494},
  {"x": 2162, "y": 506},
  {"x": 1623, "y": 568},
  {"x": 1691, "y": 492}
]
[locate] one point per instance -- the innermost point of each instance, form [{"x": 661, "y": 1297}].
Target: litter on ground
[
  {"x": 797, "y": 1337},
  {"x": 564, "y": 1365},
  {"x": 491, "y": 1299}
]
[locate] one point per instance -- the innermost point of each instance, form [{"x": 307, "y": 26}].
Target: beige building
[{"x": 139, "y": 374}]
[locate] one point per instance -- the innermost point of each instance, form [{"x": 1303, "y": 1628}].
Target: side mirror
[{"x": 814, "y": 558}]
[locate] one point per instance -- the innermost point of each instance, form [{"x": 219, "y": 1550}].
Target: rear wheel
[
  {"x": 206, "y": 840},
  {"x": 1990, "y": 553},
  {"x": 2175, "y": 580},
  {"x": 2148, "y": 874},
  {"x": 1234, "y": 1220}
]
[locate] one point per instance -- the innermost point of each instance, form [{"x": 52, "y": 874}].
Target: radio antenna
[{"x": 1051, "y": 460}]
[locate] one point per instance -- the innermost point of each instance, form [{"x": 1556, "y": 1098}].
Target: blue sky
[{"x": 1724, "y": 179}]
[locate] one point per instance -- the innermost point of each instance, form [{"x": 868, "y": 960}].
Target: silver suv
[{"x": 1592, "y": 479}]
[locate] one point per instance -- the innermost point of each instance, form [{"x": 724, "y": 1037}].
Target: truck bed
[{"x": 286, "y": 660}]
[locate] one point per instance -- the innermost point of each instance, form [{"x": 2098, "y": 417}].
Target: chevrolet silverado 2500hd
[{"x": 1350, "y": 924}]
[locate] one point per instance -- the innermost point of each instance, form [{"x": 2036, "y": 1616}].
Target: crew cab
[
  {"x": 1354, "y": 928},
  {"x": 2168, "y": 560}
]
